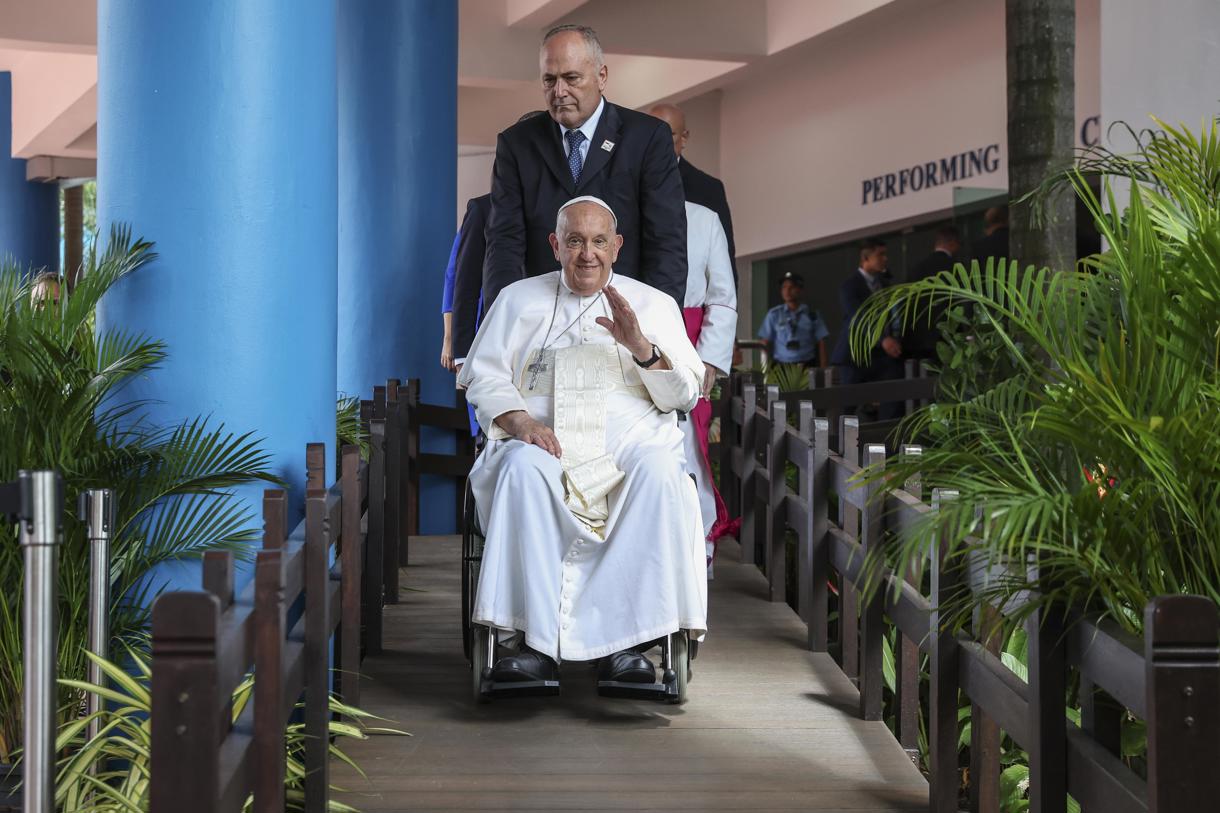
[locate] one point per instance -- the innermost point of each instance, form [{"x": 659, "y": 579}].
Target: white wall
[
  {"x": 703, "y": 122},
  {"x": 473, "y": 176},
  {"x": 1159, "y": 59},
  {"x": 926, "y": 82}
]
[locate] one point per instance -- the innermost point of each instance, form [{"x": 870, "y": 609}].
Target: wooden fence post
[
  {"x": 816, "y": 491},
  {"x": 375, "y": 564},
  {"x": 366, "y": 415},
  {"x": 186, "y": 729},
  {"x": 906, "y": 660},
  {"x": 804, "y": 533},
  {"x": 762, "y": 448},
  {"x": 1182, "y": 658},
  {"x": 910, "y": 369},
  {"x": 985, "y": 735},
  {"x": 943, "y": 780},
  {"x": 1048, "y": 711},
  {"x": 275, "y": 518},
  {"x": 872, "y": 626},
  {"x": 218, "y": 574},
  {"x": 315, "y": 465},
  {"x": 776, "y": 548},
  {"x": 746, "y": 487},
  {"x": 411, "y": 454},
  {"x": 394, "y": 504},
  {"x": 728, "y": 438},
  {"x": 849, "y": 521},
  {"x": 347, "y": 648},
  {"x": 317, "y": 654},
  {"x": 269, "y": 701}
]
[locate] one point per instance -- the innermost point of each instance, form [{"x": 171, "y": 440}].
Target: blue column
[
  {"x": 29, "y": 212},
  {"x": 217, "y": 141},
  {"x": 397, "y": 66}
]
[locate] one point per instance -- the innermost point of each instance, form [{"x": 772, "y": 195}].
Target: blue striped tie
[{"x": 575, "y": 138}]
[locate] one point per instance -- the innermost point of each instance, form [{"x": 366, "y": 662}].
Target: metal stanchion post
[
  {"x": 96, "y": 509},
  {"x": 40, "y": 520}
]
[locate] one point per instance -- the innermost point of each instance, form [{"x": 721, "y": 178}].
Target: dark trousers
[{"x": 882, "y": 368}]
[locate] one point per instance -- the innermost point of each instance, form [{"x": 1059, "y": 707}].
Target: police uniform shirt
[{"x": 794, "y": 335}]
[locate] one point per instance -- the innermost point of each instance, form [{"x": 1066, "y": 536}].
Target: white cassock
[
  {"x": 711, "y": 291},
  {"x": 602, "y": 550}
]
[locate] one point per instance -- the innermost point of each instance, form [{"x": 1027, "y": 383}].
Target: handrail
[
  {"x": 1171, "y": 679},
  {"x": 206, "y": 643}
]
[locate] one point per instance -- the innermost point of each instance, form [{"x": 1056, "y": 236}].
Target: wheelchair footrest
[
  {"x": 525, "y": 688},
  {"x": 637, "y": 691}
]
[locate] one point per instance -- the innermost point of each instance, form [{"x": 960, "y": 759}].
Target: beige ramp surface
[{"x": 769, "y": 725}]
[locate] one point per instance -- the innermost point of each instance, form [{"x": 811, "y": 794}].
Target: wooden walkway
[{"x": 769, "y": 726}]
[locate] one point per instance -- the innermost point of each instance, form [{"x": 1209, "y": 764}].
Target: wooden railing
[
  {"x": 205, "y": 644},
  {"x": 405, "y": 418},
  {"x": 1170, "y": 679},
  {"x": 743, "y": 394}
]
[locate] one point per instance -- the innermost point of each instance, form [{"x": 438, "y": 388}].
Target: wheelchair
[{"x": 482, "y": 645}]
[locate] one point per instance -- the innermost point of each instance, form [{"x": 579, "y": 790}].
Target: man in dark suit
[
  {"x": 468, "y": 275},
  {"x": 994, "y": 242},
  {"x": 586, "y": 146},
  {"x": 885, "y": 361},
  {"x": 697, "y": 185},
  {"x": 922, "y": 337}
]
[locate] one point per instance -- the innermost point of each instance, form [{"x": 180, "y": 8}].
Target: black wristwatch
[{"x": 656, "y": 356}]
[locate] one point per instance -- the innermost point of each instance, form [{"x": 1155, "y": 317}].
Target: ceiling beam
[
  {"x": 46, "y": 168},
  {"x": 66, "y": 26},
  {"x": 734, "y": 30},
  {"x": 537, "y": 14}
]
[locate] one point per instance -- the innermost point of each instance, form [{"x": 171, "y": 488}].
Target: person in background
[
  {"x": 468, "y": 276},
  {"x": 711, "y": 325},
  {"x": 922, "y": 337},
  {"x": 44, "y": 288},
  {"x": 697, "y": 185},
  {"x": 447, "y": 306},
  {"x": 885, "y": 361},
  {"x": 794, "y": 333},
  {"x": 994, "y": 242},
  {"x": 585, "y": 146},
  {"x": 468, "y": 271}
]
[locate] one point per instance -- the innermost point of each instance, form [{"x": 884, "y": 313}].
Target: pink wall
[{"x": 882, "y": 94}]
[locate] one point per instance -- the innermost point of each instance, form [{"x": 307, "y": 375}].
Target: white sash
[{"x": 582, "y": 382}]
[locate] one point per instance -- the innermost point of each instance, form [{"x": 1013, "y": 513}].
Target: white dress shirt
[{"x": 588, "y": 128}]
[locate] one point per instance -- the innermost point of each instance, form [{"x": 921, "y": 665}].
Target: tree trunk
[
  {"x": 74, "y": 233},
  {"x": 1041, "y": 41}
]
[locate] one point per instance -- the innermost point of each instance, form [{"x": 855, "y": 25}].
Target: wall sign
[{"x": 979, "y": 161}]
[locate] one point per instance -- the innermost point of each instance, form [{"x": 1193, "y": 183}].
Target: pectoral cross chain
[{"x": 535, "y": 367}]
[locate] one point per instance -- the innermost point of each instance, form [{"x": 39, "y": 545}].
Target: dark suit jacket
[
  {"x": 852, "y": 294},
  {"x": 468, "y": 274},
  {"x": 708, "y": 191},
  {"x": 637, "y": 176},
  {"x": 921, "y": 338},
  {"x": 991, "y": 245}
]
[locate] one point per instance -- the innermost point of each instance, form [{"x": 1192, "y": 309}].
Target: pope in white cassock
[{"x": 594, "y": 541}]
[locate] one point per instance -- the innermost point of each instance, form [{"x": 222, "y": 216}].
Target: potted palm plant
[
  {"x": 1089, "y": 440},
  {"x": 63, "y": 407}
]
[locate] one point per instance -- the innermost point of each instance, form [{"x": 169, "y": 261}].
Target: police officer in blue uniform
[{"x": 794, "y": 333}]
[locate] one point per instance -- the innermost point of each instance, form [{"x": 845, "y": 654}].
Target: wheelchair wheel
[
  {"x": 472, "y": 554},
  {"x": 681, "y": 660},
  {"x": 478, "y": 661}
]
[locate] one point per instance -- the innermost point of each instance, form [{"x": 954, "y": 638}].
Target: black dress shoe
[
  {"x": 627, "y": 667},
  {"x": 525, "y": 666}
]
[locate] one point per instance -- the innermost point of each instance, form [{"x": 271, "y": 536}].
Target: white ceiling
[{"x": 656, "y": 50}]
